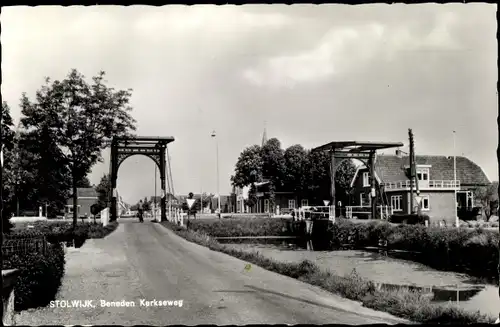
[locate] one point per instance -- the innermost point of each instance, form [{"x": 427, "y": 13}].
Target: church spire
[{"x": 264, "y": 135}]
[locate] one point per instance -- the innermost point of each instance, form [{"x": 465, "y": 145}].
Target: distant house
[
  {"x": 157, "y": 199},
  {"x": 436, "y": 183},
  {"x": 86, "y": 198},
  {"x": 225, "y": 202}
]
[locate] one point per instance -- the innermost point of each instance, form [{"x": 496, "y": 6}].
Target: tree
[
  {"x": 84, "y": 182},
  {"x": 273, "y": 167},
  {"x": 319, "y": 182},
  {"x": 343, "y": 178},
  {"x": 43, "y": 176},
  {"x": 79, "y": 118},
  {"x": 296, "y": 169},
  {"x": 488, "y": 197},
  {"x": 320, "y": 177},
  {"x": 104, "y": 191},
  {"x": 6, "y": 144},
  {"x": 252, "y": 196},
  {"x": 248, "y": 168}
]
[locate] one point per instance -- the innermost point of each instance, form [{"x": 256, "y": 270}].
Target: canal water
[{"x": 388, "y": 269}]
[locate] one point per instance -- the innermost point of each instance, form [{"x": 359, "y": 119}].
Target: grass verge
[{"x": 408, "y": 304}]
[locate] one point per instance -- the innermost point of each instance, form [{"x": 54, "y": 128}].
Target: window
[
  {"x": 365, "y": 199},
  {"x": 425, "y": 203},
  {"x": 396, "y": 202},
  {"x": 366, "y": 179},
  {"x": 291, "y": 204},
  {"x": 423, "y": 174},
  {"x": 266, "y": 205},
  {"x": 304, "y": 203}
]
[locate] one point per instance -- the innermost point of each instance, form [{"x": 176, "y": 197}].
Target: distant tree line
[{"x": 294, "y": 169}]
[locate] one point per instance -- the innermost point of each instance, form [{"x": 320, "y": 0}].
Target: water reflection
[{"x": 469, "y": 293}]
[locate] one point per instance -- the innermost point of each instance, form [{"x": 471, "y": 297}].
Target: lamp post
[
  {"x": 154, "y": 202},
  {"x": 457, "y": 221},
  {"x": 217, "y": 156}
]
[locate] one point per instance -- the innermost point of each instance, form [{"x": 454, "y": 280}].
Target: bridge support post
[
  {"x": 114, "y": 176},
  {"x": 163, "y": 200}
]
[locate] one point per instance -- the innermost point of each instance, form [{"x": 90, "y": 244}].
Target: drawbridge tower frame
[
  {"x": 364, "y": 152},
  {"x": 152, "y": 147}
]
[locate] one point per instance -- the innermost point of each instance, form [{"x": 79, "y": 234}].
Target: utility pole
[
  {"x": 457, "y": 221},
  {"x": 1, "y": 206},
  {"x": 154, "y": 202},
  {"x": 412, "y": 168}
]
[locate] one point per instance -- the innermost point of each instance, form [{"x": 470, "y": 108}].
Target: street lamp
[
  {"x": 217, "y": 156},
  {"x": 457, "y": 221}
]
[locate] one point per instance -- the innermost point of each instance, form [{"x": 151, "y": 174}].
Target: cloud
[
  {"x": 342, "y": 50},
  {"x": 207, "y": 19}
]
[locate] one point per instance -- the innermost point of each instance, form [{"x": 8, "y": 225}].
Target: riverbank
[
  {"x": 404, "y": 303},
  {"x": 395, "y": 271}
]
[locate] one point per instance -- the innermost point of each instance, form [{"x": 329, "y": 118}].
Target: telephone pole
[
  {"x": 412, "y": 168},
  {"x": 1, "y": 206}
]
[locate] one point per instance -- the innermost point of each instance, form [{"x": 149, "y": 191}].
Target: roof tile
[{"x": 390, "y": 168}]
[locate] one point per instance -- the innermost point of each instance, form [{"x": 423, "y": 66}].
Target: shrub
[
  {"x": 40, "y": 276},
  {"x": 243, "y": 227},
  {"x": 412, "y": 219}
]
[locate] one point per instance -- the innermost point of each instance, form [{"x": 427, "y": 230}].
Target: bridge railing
[
  {"x": 384, "y": 211},
  {"x": 321, "y": 212}
]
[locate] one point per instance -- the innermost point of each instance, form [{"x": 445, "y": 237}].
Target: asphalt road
[{"x": 147, "y": 261}]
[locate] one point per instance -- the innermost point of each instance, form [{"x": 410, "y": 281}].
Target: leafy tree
[
  {"x": 84, "y": 182},
  {"x": 6, "y": 144},
  {"x": 343, "y": 178},
  {"x": 252, "y": 196},
  {"x": 273, "y": 167},
  {"x": 44, "y": 175},
  {"x": 319, "y": 182},
  {"x": 104, "y": 191},
  {"x": 273, "y": 162},
  {"x": 296, "y": 169},
  {"x": 249, "y": 167},
  {"x": 488, "y": 197},
  {"x": 79, "y": 118}
]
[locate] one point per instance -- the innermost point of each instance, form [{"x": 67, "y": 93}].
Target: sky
[{"x": 310, "y": 73}]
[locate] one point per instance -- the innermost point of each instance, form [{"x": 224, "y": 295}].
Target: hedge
[
  {"x": 244, "y": 227},
  {"x": 40, "y": 276},
  {"x": 473, "y": 251}
]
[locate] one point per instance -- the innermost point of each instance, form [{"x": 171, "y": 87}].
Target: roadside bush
[
  {"x": 412, "y": 219},
  {"x": 100, "y": 231},
  {"x": 242, "y": 227},
  {"x": 40, "y": 276}
]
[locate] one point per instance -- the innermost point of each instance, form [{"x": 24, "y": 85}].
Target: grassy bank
[{"x": 411, "y": 305}]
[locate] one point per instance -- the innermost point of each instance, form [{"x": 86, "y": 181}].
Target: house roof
[
  {"x": 391, "y": 168},
  {"x": 224, "y": 199},
  {"x": 158, "y": 197}
]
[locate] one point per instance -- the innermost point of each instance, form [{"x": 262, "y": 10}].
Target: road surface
[{"x": 147, "y": 261}]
